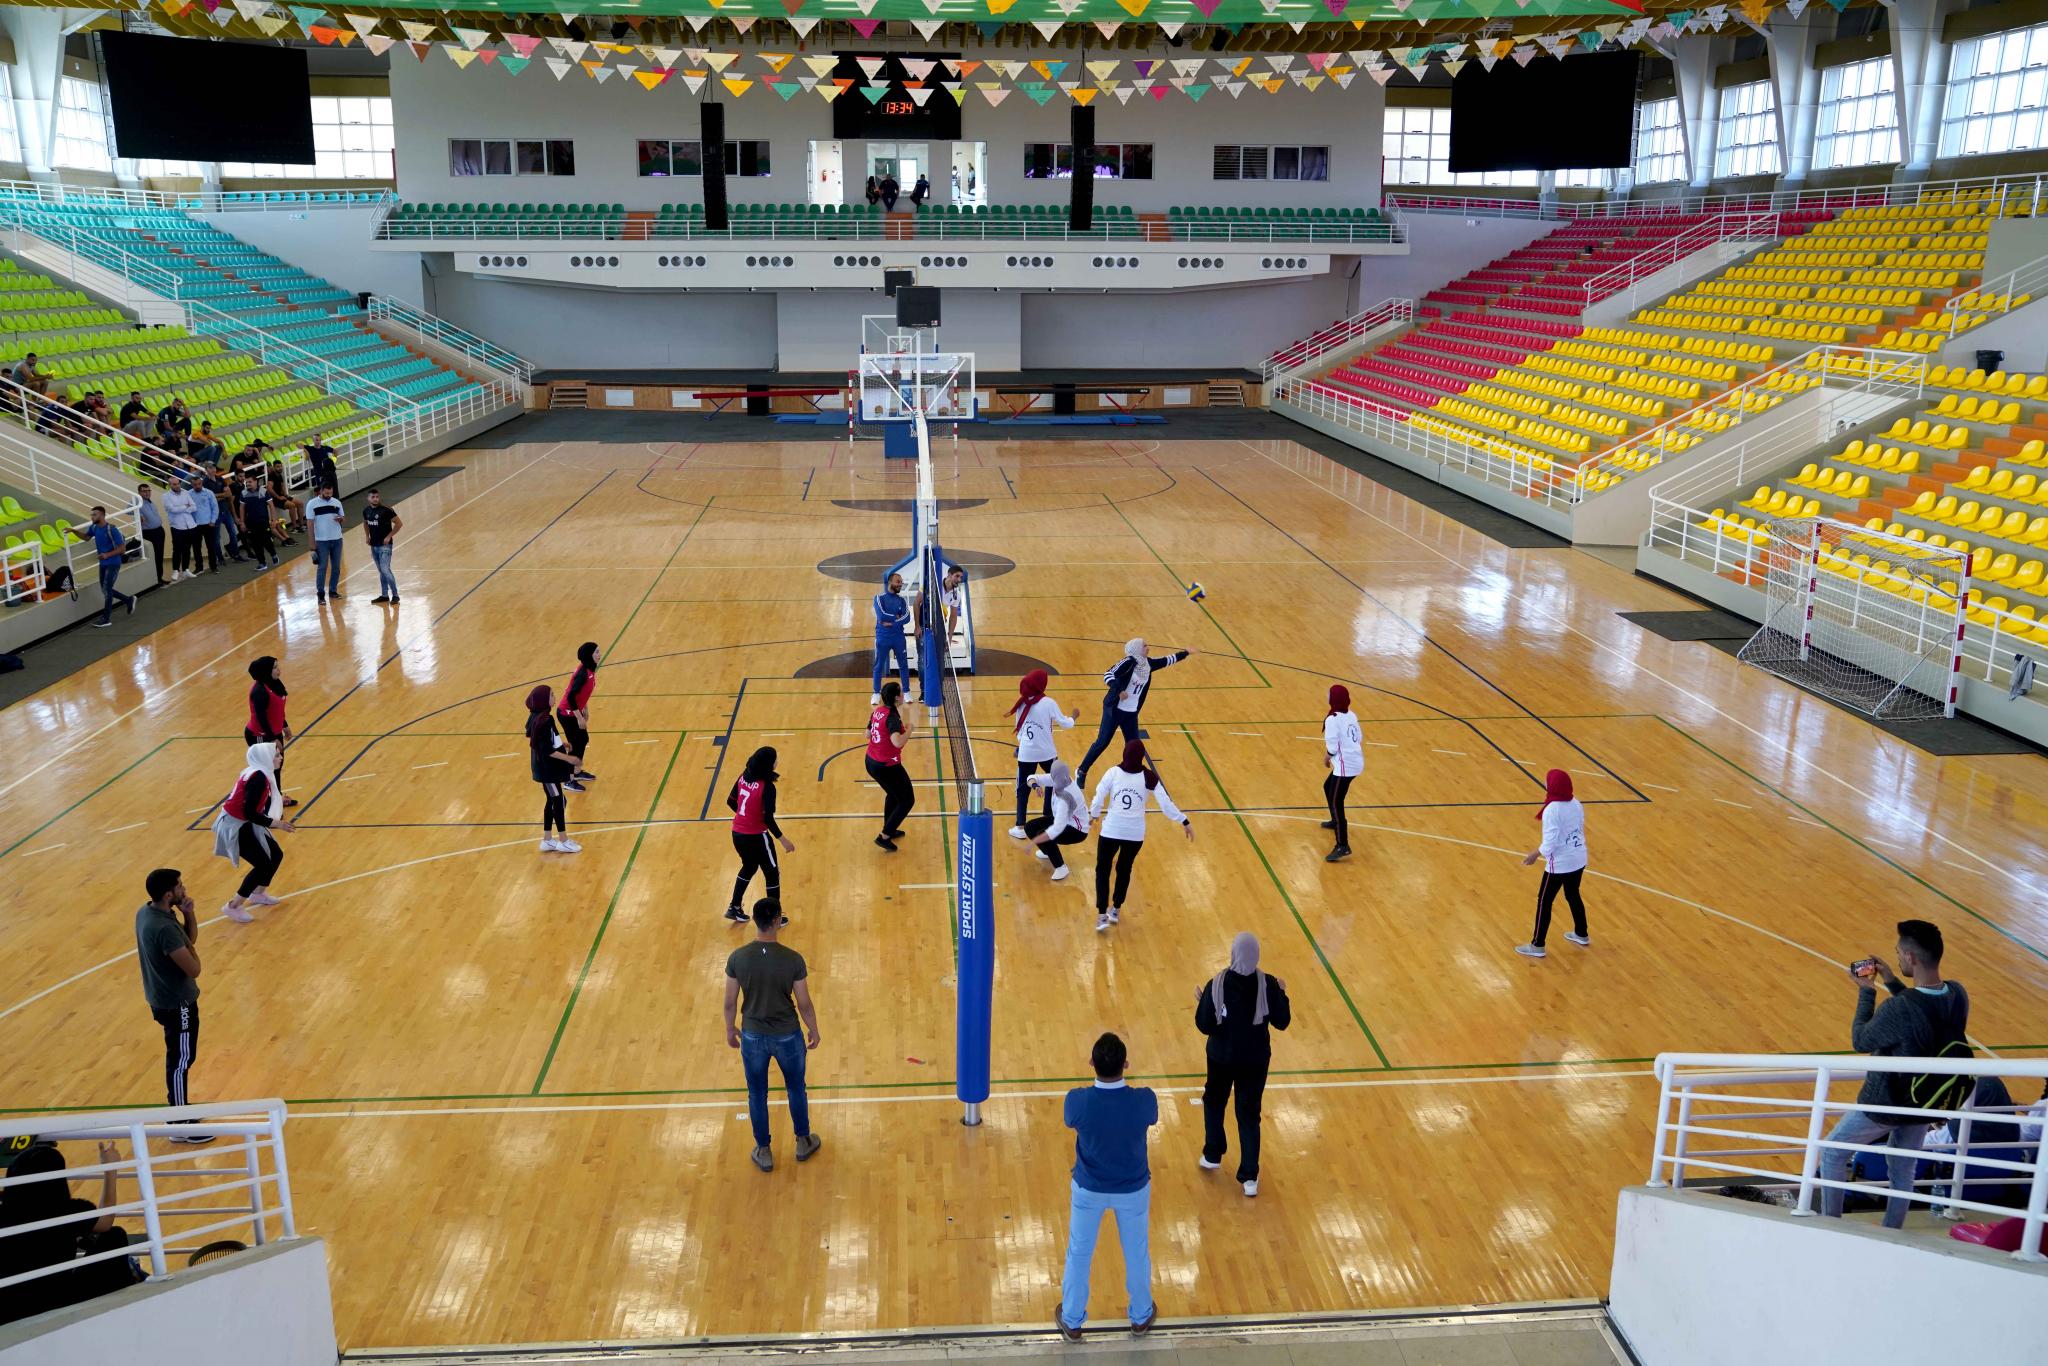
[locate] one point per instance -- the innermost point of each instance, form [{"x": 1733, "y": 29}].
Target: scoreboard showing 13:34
[{"x": 891, "y": 103}]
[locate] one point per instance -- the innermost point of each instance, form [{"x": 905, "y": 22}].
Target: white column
[
  {"x": 1692, "y": 66},
  {"x": 38, "y": 36},
  {"x": 1795, "y": 86},
  {"x": 1920, "y": 73}
]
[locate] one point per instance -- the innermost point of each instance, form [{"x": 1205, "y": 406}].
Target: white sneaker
[
  {"x": 1206, "y": 1165},
  {"x": 1581, "y": 940},
  {"x": 1059, "y": 874},
  {"x": 548, "y": 846},
  {"x": 239, "y": 914},
  {"x": 1016, "y": 832},
  {"x": 260, "y": 897},
  {"x": 1530, "y": 951},
  {"x": 874, "y": 699},
  {"x": 1116, "y": 915},
  {"x": 567, "y": 846},
  {"x": 1251, "y": 1188},
  {"x": 1040, "y": 853},
  {"x": 1103, "y": 922}
]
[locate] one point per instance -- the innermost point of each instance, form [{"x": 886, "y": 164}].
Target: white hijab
[
  {"x": 1141, "y": 672},
  {"x": 263, "y": 759},
  {"x": 1060, "y": 783}
]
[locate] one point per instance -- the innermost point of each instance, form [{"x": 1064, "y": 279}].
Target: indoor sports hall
[{"x": 954, "y": 680}]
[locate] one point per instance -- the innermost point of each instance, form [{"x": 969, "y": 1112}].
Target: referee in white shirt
[
  {"x": 1344, "y": 756},
  {"x": 1563, "y": 851}
]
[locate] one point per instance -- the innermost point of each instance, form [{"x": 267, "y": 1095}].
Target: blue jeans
[
  {"x": 110, "y": 570},
  {"x": 1133, "y": 1215},
  {"x": 884, "y": 647},
  {"x": 788, "y": 1052},
  {"x": 327, "y": 567},
  {"x": 1900, "y": 1165},
  {"x": 387, "y": 586}
]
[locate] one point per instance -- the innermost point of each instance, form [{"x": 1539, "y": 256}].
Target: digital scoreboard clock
[{"x": 889, "y": 105}]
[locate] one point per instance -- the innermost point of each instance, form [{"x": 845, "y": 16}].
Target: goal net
[{"x": 1865, "y": 618}]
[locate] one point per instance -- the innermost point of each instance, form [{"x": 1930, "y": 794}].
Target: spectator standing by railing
[
  {"x": 111, "y": 547},
  {"x": 152, "y": 519},
  {"x": 326, "y": 512},
  {"x": 206, "y": 527},
  {"x": 320, "y": 464},
  {"x": 253, "y": 506},
  {"x": 1111, "y": 1173},
  {"x": 181, "y": 510},
  {"x": 1929, "y": 1019}
]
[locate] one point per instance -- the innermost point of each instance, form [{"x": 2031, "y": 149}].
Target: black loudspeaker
[
  {"x": 713, "y": 151},
  {"x": 363, "y": 300},
  {"x": 894, "y": 279},
  {"x": 917, "y": 306},
  {"x": 1082, "y": 214}
]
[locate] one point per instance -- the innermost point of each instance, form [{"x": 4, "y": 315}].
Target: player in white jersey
[
  {"x": 1120, "y": 802},
  {"x": 1344, "y": 756},
  {"x": 1036, "y": 716},
  {"x": 1563, "y": 852}
]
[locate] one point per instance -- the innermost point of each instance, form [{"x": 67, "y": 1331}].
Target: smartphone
[{"x": 1864, "y": 967}]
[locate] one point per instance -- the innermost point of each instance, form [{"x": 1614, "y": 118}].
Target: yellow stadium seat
[
  {"x": 2001, "y": 568},
  {"x": 1945, "y": 510},
  {"x": 1922, "y": 504},
  {"x": 1977, "y": 478}
]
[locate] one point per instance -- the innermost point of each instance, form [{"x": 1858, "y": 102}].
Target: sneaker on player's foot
[
  {"x": 1070, "y": 1334},
  {"x": 291, "y": 801},
  {"x": 572, "y": 786},
  {"x": 1205, "y": 1164},
  {"x": 1040, "y": 853},
  {"x": 736, "y": 915},
  {"x": 103, "y": 623},
  {"x": 874, "y": 699},
  {"x": 1016, "y": 832},
  {"x": 1338, "y": 855},
  {"x": 565, "y": 845},
  {"x": 548, "y": 846},
  {"x": 764, "y": 1159},
  {"x": 1059, "y": 874},
  {"x": 584, "y": 775},
  {"x": 885, "y": 842},
  {"x": 1116, "y": 914},
  {"x": 192, "y": 1140},
  {"x": 1329, "y": 825},
  {"x": 380, "y": 598},
  {"x": 894, "y": 834},
  {"x": 1102, "y": 922},
  {"x": 1581, "y": 940},
  {"x": 1531, "y": 951},
  {"x": 261, "y": 897},
  {"x": 1251, "y": 1187},
  {"x": 237, "y": 913},
  {"x": 807, "y": 1145}
]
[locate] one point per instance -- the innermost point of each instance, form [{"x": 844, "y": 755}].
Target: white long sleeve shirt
[
  {"x": 1060, "y": 809},
  {"x": 180, "y": 510},
  {"x": 1034, "y": 737},
  {"x": 1564, "y": 836},
  {"x": 1344, "y": 744},
  {"x": 1120, "y": 804}
]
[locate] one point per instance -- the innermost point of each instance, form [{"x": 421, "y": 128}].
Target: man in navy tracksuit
[
  {"x": 1125, "y": 683},
  {"x": 892, "y": 614}
]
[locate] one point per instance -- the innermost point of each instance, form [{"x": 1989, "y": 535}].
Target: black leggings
[
  {"x": 578, "y": 740},
  {"x": 1038, "y": 825},
  {"x": 1334, "y": 789},
  {"x": 756, "y": 851},
  {"x": 1248, "y": 1080},
  {"x": 1124, "y": 853},
  {"x": 554, "y": 808},
  {"x": 262, "y": 853},
  {"x": 1112, "y": 721},
  {"x": 1553, "y": 883},
  {"x": 1025, "y": 768},
  {"x": 898, "y": 796}
]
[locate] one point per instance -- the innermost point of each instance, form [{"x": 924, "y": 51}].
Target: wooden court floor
[{"x": 515, "y": 1119}]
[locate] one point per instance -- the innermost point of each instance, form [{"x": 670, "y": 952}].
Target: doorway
[
  {"x": 970, "y": 173},
  {"x": 902, "y": 162},
  {"x": 827, "y": 173}
]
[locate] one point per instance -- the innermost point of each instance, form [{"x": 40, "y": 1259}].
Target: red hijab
[
  {"x": 1030, "y": 690},
  {"x": 1134, "y": 761},
  {"x": 1557, "y": 787},
  {"x": 1340, "y": 698}
]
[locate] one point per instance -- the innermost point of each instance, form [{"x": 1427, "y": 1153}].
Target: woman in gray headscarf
[
  {"x": 1238, "y": 1009},
  {"x": 1068, "y": 821}
]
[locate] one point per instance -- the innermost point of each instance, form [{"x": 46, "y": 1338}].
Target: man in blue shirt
[
  {"x": 892, "y": 614},
  {"x": 1109, "y": 1120},
  {"x": 205, "y": 522},
  {"x": 111, "y": 546}
]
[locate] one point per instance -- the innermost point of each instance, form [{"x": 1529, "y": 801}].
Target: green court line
[
  {"x": 82, "y": 800},
  {"x": 639, "y": 839},
  {"x": 1292, "y": 909},
  {"x": 655, "y": 582},
  {"x": 935, "y": 1084},
  {"x": 1201, "y": 607},
  {"x": 1970, "y": 911}
]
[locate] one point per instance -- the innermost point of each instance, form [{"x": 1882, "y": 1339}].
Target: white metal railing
[
  {"x": 857, "y": 227},
  {"x": 1357, "y": 328},
  {"x": 74, "y": 248},
  {"x": 487, "y": 356},
  {"x": 1767, "y": 1119},
  {"x": 56, "y": 192},
  {"x": 2015, "y": 289},
  {"x": 2014, "y": 193},
  {"x": 235, "y": 1189},
  {"x": 72, "y": 492},
  {"x": 1671, "y": 250}
]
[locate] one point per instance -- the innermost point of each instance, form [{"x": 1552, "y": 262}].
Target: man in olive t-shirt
[
  {"x": 166, "y": 940},
  {"x": 772, "y": 978}
]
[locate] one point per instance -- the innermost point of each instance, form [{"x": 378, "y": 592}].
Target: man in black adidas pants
[{"x": 166, "y": 939}]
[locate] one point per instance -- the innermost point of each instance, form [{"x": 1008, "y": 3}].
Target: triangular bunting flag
[
  {"x": 1107, "y": 27},
  {"x": 874, "y": 92},
  {"x": 515, "y": 65},
  {"x": 1134, "y": 8},
  {"x": 650, "y": 79},
  {"x": 694, "y": 80},
  {"x": 525, "y": 43},
  {"x": 920, "y": 95},
  {"x": 308, "y": 17},
  {"x": 736, "y": 85},
  {"x": 420, "y": 50},
  {"x": 487, "y": 56},
  {"x": 927, "y": 27},
  {"x": 1187, "y": 66},
  {"x": 776, "y": 60},
  {"x": 363, "y": 24},
  {"x": 865, "y": 27},
  {"x": 1382, "y": 74},
  {"x": 952, "y": 89},
  {"x": 1082, "y": 97},
  {"x": 917, "y": 68},
  {"x": 472, "y": 38},
  {"x": 1195, "y": 92},
  {"x": 1101, "y": 71},
  {"x": 994, "y": 94},
  {"x": 1038, "y": 94},
  {"x": 821, "y": 66},
  {"x": 1171, "y": 28},
  {"x": 249, "y": 9},
  {"x": 270, "y": 24},
  {"x": 745, "y": 26},
  {"x": 602, "y": 74},
  {"x": 719, "y": 61},
  {"x": 789, "y": 90},
  {"x": 1124, "y": 93},
  {"x": 461, "y": 56},
  {"x": 1046, "y": 28},
  {"x": 560, "y": 66},
  {"x": 803, "y": 27}
]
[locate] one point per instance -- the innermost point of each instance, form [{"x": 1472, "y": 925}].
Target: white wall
[
  {"x": 556, "y": 326},
  {"x": 331, "y": 243},
  {"x": 1194, "y": 328},
  {"x": 434, "y": 101},
  {"x": 1440, "y": 249},
  {"x": 269, "y": 1305},
  {"x": 1702, "y": 1281},
  {"x": 821, "y": 330}
]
